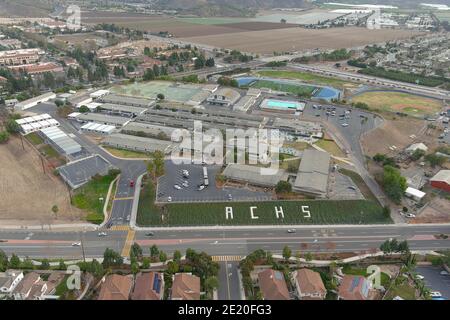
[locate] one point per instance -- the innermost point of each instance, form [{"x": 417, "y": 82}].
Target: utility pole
[
  {"x": 82, "y": 247},
  {"x": 42, "y": 162},
  {"x": 21, "y": 140}
]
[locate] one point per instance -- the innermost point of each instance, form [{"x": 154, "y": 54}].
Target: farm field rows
[
  {"x": 399, "y": 102},
  {"x": 297, "y": 39}
]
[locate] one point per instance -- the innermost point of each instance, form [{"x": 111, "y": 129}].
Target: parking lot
[
  {"x": 174, "y": 176},
  {"x": 435, "y": 281},
  {"x": 342, "y": 188}
]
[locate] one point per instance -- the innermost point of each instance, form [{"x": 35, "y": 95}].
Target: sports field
[
  {"x": 284, "y": 87},
  {"x": 399, "y": 102},
  {"x": 304, "y": 76},
  {"x": 171, "y": 91}
]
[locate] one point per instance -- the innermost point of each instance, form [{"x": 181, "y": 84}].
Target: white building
[
  {"x": 414, "y": 194},
  {"x": 417, "y": 146},
  {"x": 98, "y": 94},
  {"x": 98, "y": 128},
  {"x": 35, "y": 123},
  {"x": 34, "y": 101}
]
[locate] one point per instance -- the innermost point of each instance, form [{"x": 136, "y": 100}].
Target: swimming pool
[{"x": 282, "y": 105}]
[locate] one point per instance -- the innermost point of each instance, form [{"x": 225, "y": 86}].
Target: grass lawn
[
  {"x": 304, "y": 76},
  {"x": 297, "y": 145},
  {"x": 404, "y": 290},
  {"x": 284, "y": 87},
  {"x": 197, "y": 214},
  {"x": 87, "y": 197},
  {"x": 399, "y": 102},
  {"x": 49, "y": 151},
  {"x": 385, "y": 280},
  {"x": 362, "y": 186},
  {"x": 443, "y": 16},
  {"x": 34, "y": 138},
  {"x": 122, "y": 153},
  {"x": 331, "y": 147}
]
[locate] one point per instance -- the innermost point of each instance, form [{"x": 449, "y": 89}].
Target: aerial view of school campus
[{"x": 222, "y": 150}]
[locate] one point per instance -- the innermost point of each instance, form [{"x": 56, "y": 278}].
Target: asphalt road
[
  {"x": 229, "y": 288},
  {"x": 435, "y": 281},
  {"x": 223, "y": 242}
]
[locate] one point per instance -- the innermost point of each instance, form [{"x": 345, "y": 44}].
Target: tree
[
  {"x": 154, "y": 251},
  {"x": 435, "y": 160},
  {"x": 12, "y": 126},
  {"x": 386, "y": 211},
  {"x": 151, "y": 168},
  {"x": 417, "y": 154},
  {"x": 403, "y": 247},
  {"x": 211, "y": 283},
  {"x": 96, "y": 268},
  {"x": 283, "y": 187},
  {"x": 55, "y": 210},
  {"x": 59, "y": 103},
  {"x": 3, "y": 261},
  {"x": 134, "y": 266},
  {"x": 394, "y": 184},
  {"x": 160, "y": 96},
  {"x": 172, "y": 267},
  {"x": 111, "y": 258},
  {"x": 45, "y": 265},
  {"x": 62, "y": 265},
  {"x": 162, "y": 256},
  {"x": 4, "y": 136},
  {"x": 177, "y": 256},
  {"x": 145, "y": 263},
  {"x": 136, "y": 251},
  {"x": 287, "y": 253},
  {"x": 210, "y": 62},
  {"x": 158, "y": 160},
  {"x": 84, "y": 109},
  {"x": 27, "y": 264},
  {"x": 14, "y": 262},
  {"x": 149, "y": 75}
]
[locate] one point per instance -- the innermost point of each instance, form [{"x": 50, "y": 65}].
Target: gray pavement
[
  {"x": 434, "y": 280},
  {"x": 229, "y": 288}
]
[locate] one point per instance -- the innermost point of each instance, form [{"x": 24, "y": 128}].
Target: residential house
[
  {"x": 272, "y": 285},
  {"x": 148, "y": 286},
  {"x": 309, "y": 285},
  {"x": 9, "y": 281},
  {"x": 116, "y": 287},
  {"x": 354, "y": 288},
  {"x": 185, "y": 287},
  {"x": 23, "y": 289}
]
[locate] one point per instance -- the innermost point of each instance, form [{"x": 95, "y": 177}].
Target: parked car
[
  {"x": 149, "y": 234},
  {"x": 185, "y": 184},
  {"x": 344, "y": 124},
  {"x": 420, "y": 277},
  {"x": 410, "y": 215},
  {"x": 169, "y": 199},
  {"x": 230, "y": 197},
  {"x": 201, "y": 187},
  {"x": 443, "y": 273},
  {"x": 131, "y": 184},
  {"x": 177, "y": 187},
  {"x": 352, "y": 188},
  {"x": 102, "y": 234},
  {"x": 435, "y": 294}
]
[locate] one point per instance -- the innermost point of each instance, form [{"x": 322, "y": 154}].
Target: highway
[{"x": 224, "y": 241}]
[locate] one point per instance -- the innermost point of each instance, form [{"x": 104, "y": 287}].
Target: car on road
[
  {"x": 444, "y": 273},
  {"x": 291, "y": 231},
  {"x": 344, "y": 124},
  {"x": 420, "y": 277},
  {"x": 76, "y": 244},
  {"x": 102, "y": 234},
  {"x": 149, "y": 234},
  {"x": 177, "y": 187},
  {"x": 435, "y": 294},
  {"x": 410, "y": 215},
  {"x": 131, "y": 184}
]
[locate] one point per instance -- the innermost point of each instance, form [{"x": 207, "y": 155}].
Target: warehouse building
[
  {"x": 441, "y": 180},
  {"x": 149, "y": 130},
  {"x": 224, "y": 97},
  {"x": 60, "y": 141},
  {"x": 312, "y": 176},
  {"x": 97, "y": 128},
  {"x": 127, "y": 100},
  {"x": 121, "y": 110},
  {"x": 140, "y": 144},
  {"x": 79, "y": 172},
  {"x": 118, "y": 122},
  {"x": 252, "y": 175},
  {"x": 34, "y": 101}
]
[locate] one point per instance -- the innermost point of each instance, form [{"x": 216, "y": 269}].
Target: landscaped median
[{"x": 257, "y": 213}]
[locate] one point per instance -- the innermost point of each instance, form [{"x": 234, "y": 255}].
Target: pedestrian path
[{"x": 226, "y": 258}]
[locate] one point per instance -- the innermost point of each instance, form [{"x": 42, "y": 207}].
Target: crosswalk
[
  {"x": 226, "y": 258},
  {"x": 128, "y": 243},
  {"x": 120, "y": 228}
]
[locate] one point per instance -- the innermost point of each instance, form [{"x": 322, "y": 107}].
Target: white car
[
  {"x": 169, "y": 199},
  {"x": 185, "y": 184},
  {"x": 76, "y": 244},
  {"x": 410, "y": 215},
  {"x": 344, "y": 124},
  {"x": 435, "y": 294},
  {"x": 102, "y": 234},
  {"x": 177, "y": 187},
  {"x": 443, "y": 273},
  {"x": 200, "y": 188},
  {"x": 420, "y": 277}
]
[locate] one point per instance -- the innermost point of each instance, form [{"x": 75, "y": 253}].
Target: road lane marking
[
  {"x": 128, "y": 242},
  {"x": 126, "y": 198}
]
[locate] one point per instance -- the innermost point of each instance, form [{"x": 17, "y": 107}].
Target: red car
[{"x": 131, "y": 183}]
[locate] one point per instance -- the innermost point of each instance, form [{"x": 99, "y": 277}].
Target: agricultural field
[
  {"x": 399, "y": 102},
  {"x": 284, "y": 87},
  {"x": 321, "y": 212},
  {"x": 26, "y": 193},
  {"x": 297, "y": 39},
  {"x": 306, "y": 77},
  {"x": 443, "y": 16}
]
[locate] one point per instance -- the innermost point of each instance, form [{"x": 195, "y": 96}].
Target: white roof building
[
  {"x": 417, "y": 146},
  {"x": 98, "y": 94},
  {"x": 414, "y": 194},
  {"x": 98, "y": 128},
  {"x": 61, "y": 140}
]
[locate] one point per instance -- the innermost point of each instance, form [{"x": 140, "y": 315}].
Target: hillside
[{"x": 24, "y": 8}]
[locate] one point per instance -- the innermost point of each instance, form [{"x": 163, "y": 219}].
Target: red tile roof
[
  {"x": 272, "y": 285},
  {"x": 148, "y": 286},
  {"x": 186, "y": 287},
  {"x": 310, "y": 283},
  {"x": 116, "y": 287}
]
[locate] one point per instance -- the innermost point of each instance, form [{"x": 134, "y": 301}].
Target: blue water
[
  {"x": 281, "y": 104},
  {"x": 328, "y": 93}
]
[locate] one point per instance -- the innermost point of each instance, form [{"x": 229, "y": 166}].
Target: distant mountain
[{"x": 229, "y": 7}]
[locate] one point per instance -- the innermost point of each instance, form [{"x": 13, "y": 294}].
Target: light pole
[{"x": 82, "y": 246}]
